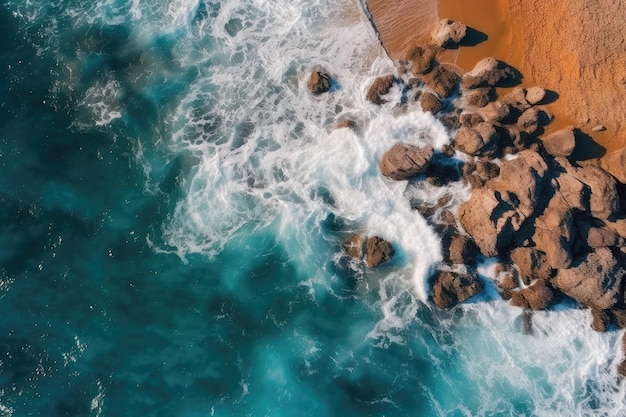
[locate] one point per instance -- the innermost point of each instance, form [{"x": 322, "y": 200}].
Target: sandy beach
[{"x": 580, "y": 54}]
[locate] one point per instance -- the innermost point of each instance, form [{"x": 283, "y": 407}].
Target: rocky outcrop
[
  {"x": 378, "y": 251},
  {"x": 594, "y": 280},
  {"x": 379, "y": 88},
  {"x": 560, "y": 143},
  {"x": 532, "y": 264},
  {"x": 479, "y": 97},
  {"x": 404, "y": 161},
  {"x": 448, "y": 33},
  {"x": 423, "y": 59},
  {"x": 536, "y": 297},
  {"x": 441, "y": 80},
  {"x": 488, "y": 72},
  {"x": 430, "y": 103},
  {"x": 451, "y": 288},
  {"x": 615, "y": 164},
  {"x": 354, "y": 245},
  {"x": 480, "y": 140},
  {"x": 456, "y": 248},
  {"x": 319, "y": 82},
  {"x": 534, "y": 95}
]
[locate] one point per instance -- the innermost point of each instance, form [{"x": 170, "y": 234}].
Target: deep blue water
[{"x": 173, "y": 206}]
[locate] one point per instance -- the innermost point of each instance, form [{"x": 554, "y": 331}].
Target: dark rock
[
  {"x": 447, "y": 150},
  {"x": 536, "y": 297},
  {"x": 594, "y": 280},
  {"x": 450, "y": 121},
  {"x": 404, "y": 161},
  {"x": 380, "y": 87},
  {"x": 447, "y": 217},
  {"x": 448, "y": 33},
  {"x": 451, "y": 288},
  {"x": 488, "y": 72},
  {"x": 319, "y": 82},
  {"x": 430, "y": 103},
  {"x": 457, "y": 248},
  {"x": 560, "y": 143},
  {"x": 378, "y": 251}
]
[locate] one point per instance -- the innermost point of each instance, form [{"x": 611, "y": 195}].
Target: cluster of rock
[
  {"x": 373, "y": 250},
  {"x": 555, "y": 223}
]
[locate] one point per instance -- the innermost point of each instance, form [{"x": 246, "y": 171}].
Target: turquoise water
[{"x": 174, "y": 203}]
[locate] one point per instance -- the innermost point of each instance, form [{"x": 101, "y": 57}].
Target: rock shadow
[
  {"x": 513, "y": 81},
  {"x": 473, "y": 37},
  {"x": 550, "y": 97},
  {"x": 586, "y": 147}
]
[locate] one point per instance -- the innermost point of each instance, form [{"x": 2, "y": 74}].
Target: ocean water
[{"x": 173, "y": 207}]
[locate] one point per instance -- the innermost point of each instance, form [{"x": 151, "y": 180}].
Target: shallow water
[{"x": 174, "y": 206}]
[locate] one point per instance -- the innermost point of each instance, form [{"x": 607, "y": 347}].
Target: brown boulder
[
  {"x": 480, "y": 140},
  {"x": 457, "y": 248},
  {"x": 404, "y": 161},
  {"x": 534, "y": 95},
  {"x": 378, "y": 251},
  {"x": 595, "y": 235},
  {"x": 423, "y": 59},
  {"x": 497, "y": 111},
  {"x": 448, "y": 33},
  {"x": 489, "y": 218},
  {"x": 319, "y": 83},
  {"x": 536, "y": 297},
  {"x": 615, "y": 164},
  {"x": 478, "y": 173},
  {"x": 451, "y": 288},
  {"x": 430, "y": 103},
  {"x": 517, "y": 101},
  {"x": 471, "y": 119},
  {"x": 529, "y": 121},
  {"x": 532, "y": 264},
  {"x": 479, "y": 97},
  {"x": 441, "y": 80},
  {"x": 380, "y": 87},
  {"x": 488, "y": 72},
  {"x": 554, "y": 236},
  {"x": 560, "y": 143},
  {"x": 600, "y": 320},
  {"x": 594, "y": 280},
  {"x": 603, "y": 197}
]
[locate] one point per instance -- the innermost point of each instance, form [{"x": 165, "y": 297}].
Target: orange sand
[{"x": 575, "y": 48}]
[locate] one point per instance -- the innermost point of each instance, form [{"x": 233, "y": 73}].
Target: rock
[
  {"x": 480, "y": 140},
  {"x": 554, "y": 236},
  {"x": 346, "y": 124},
  {"x": 517, "y": 101},
  {"x": 536, "y": 297},
  {"x": 525, "y": 177},
  {"x": 353, "y": 246},
  {"x": 447, "y": 217},
  {"x": 478, "y": 173},
  {"x": 560, "y": 143},
  {"x": 534, "y": 95},
  {"x": 319, "y": 82},
  {"x": 596, "y": 236},
  {"x": 480, "y": 97},
  {"x": 380, "y": 87},
  {"x": 451, "y": 288},
  {"x": 488, "y": 72},
  {"x": 448, "y": 33},
  {"x": 532, "y": 264},
  {"x": 598, "y": 128},
  {"x": 430, "y": 103},
  {"x": 572, "y": 191},
  {"x": 603, "y": 198},
  {"x": 457, "y": 248},
  {"x": 450, "y": 121},
  {"x": 404, "y": 161},
  {"x": 447, "y": 150},
  {"x": 600, "y": 320},
  {"x": 594, "y": 280},
  {"x": 378, "y": 251},
  {"x": 488, "y": 219},
  {"x": 441, "y": 80},
  {"x": 615, "y": 164},
  {"x": 528, "y": 122},
  {"x": 471, "y": 119},
  {"x": 423, "y": 59},
  {"x": 497, "y": 112}
]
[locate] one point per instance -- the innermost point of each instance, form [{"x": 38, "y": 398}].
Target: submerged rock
[
  {"x": 451, "y": 288},
  {"x": 378, "y": 251},
  {"x": 319, "y": 82},
  {"x": 353, "y": 246},
  {"x": 404, "y": 161}
]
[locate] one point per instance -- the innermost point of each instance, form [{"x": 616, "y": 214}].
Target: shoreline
[{"x": 588, "y": 77}]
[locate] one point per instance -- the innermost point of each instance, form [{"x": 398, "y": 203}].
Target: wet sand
[{"x": 576, "y": 49}]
